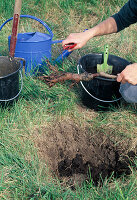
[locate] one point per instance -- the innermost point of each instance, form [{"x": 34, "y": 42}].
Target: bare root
[{"x": 60, "y": 77}]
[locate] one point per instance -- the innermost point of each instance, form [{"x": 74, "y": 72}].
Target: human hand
[
  {"x": 80, "y": 39},
  {"x": 129, "y": 74}
]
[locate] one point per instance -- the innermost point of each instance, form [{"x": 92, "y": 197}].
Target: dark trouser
[{"x": 129, "y": 92}]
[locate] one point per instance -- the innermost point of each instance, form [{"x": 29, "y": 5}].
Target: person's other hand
[{"x": 129, "y": 74}]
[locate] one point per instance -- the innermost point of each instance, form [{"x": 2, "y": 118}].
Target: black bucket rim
[
  {"x": 16, "y": 58},
  {"x": 101, "y": 54},
  {"x": 98, "y": 77}
]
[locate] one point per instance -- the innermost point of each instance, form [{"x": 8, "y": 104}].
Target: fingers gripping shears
[{"x": 69, "y": 46}]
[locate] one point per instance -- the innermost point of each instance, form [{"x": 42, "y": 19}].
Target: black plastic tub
[
  {"x": 100, "y": 92},
  {"x": 10, "y": 69}
]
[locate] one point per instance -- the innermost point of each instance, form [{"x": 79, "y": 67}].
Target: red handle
[
  {"x": 16, "y": 16},
  {"x": 14, "y": 35},
  {"x": 69, "y": 46}
]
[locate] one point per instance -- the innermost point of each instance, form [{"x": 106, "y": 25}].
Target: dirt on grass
[{"x": 74, "y": 153}]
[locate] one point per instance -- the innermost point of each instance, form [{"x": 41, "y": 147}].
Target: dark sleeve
[{"x": 127, "y": 15}]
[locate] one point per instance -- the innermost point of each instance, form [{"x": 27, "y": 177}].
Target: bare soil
[{"x": 74, "y": 154}]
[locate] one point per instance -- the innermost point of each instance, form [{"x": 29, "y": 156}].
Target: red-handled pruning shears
[{"x": 69, "y": 46}]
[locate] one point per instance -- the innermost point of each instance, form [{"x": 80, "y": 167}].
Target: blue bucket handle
[{"x": 31, "y": 17}]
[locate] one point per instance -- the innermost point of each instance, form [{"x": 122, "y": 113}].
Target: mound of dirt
[{"x": 72, "y": 151}]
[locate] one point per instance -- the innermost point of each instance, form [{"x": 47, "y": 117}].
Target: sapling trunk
[{"x": 59, "y": 77}]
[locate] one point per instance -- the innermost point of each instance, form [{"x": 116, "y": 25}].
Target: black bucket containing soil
[
  {"x": 100, "y": 92},
  {"x": 10, "y": 69}
]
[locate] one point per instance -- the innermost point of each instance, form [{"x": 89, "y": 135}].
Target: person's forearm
[{"x": 108, "y": 26}]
